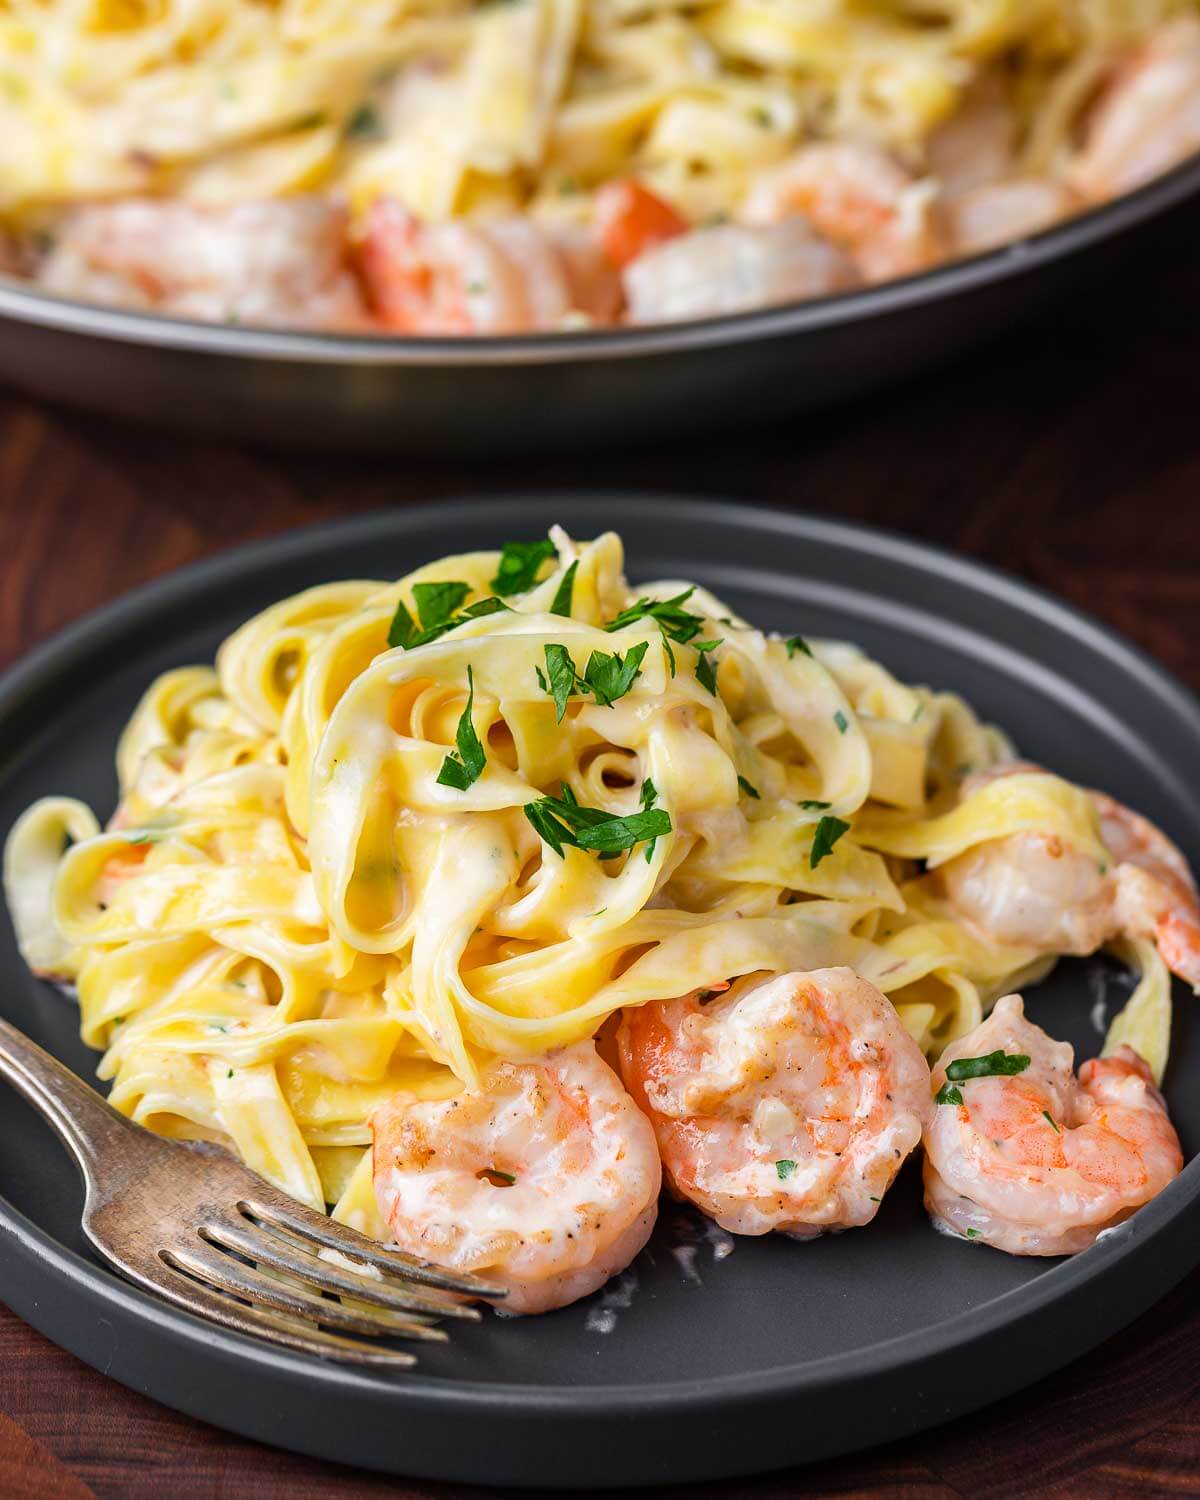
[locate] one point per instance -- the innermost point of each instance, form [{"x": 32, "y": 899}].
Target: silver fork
[{"x": 185, "y": 1220}]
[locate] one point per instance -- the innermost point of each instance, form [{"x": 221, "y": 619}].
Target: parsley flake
[
  {"x": 829, "y": 830},
  {"x": 561, "y": 821},
  {"x": 565, "y": 592},
  {"x": 750, "y": 790},
  {"x": 842, "y": 722},
  {"x": 811, "y": 804},
  {"x": 364, "y": 124},
  {"x": 464, "y": 769},
  {"x": 1050, "y": 1120},
  {"x": 796, "y": 643},
  {"x": 706, "y": 669},
  {"x": 560, "y": 670},
  {"x": 668, "y": 614},
  {"x": 519, "y": 565},
  {"x": 998, "y": 1064},
  {"x": 948, "y": 1094},
  {"x": 784, "y": 1169},
  {"x": 972, "y": 1234}
]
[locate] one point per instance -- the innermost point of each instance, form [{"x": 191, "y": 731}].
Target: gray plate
[
  {"x": 477, "y": 397},
  {"x": 780, "y": 1352}
]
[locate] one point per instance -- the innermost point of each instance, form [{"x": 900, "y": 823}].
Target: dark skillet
[{"x": 568, "y": 390}]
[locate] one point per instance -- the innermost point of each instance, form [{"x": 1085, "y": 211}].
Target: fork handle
[{"x": 87, "y": 1123}]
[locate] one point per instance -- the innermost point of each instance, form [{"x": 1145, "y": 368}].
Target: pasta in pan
[
  {"x": 299, "y": 162},
  {"x": 406, "y": 833}
]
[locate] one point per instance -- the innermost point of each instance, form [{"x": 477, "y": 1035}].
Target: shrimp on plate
[
  {"x": 546, "y": 1181},
  {"x": 1022, "y": 1155},
  {"x": 1148, "y": 118},
  {"x": 858, "y": 198},
  {"x": 786, "y": 1104},
  {"x": 496, "y": 276},
  {"x": 278, "y": 261},
  {"x": 1032, "y": 889}
]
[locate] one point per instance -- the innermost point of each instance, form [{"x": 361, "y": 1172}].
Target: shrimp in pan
[
  {"x": 1023, "y": 1156},
  {"x": 1032, "y": 889},
  {"x": 546, "y": 1181},
  {"x": 786, "y": 1104}
]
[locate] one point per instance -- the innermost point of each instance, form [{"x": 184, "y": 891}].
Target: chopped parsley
[
  {"x": 784, "y": 1169},
  {"x": 972, "y": 1234},
  {"x": 648, "y": 798},
  {"x": 668, "y": 614},
  {"x": 607, "y": 677},
  {"x": 796, "y": 643},
  {"x": 761, "y": 117},
  {"x": 706, "y": 670},
  {"x": 842, "y": 722},
  {"x": 750, "y": 790},
  {"x": 560, "y": 678},
  {"x": 564, "y": 593},
  {"x": 811, "y": 804},
  {"x": 998, "y": 1064},
  {"x": 465, "y": 768},
  {"x": 229, "y": 1074},
  {"x": 829, "y": 830},
  {"x": 519, "y": 566},
  {"x": 431, "y": 600},
  {"x": 498, "y": 1178},
  {"x": 364, "y": 124},
  {"x": 1050, "y": 1120},
  {"x": 561, "y": 821}
]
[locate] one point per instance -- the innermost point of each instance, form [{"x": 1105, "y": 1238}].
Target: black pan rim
[
  {"x": 68, "y": 650},
  {"x": 1106, "y": 221}
]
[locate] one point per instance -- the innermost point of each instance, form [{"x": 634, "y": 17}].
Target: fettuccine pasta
[{"x": 405, "y": 829}]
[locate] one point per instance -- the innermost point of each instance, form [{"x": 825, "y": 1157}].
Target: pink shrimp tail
[{"x": 1178, "y": 939}]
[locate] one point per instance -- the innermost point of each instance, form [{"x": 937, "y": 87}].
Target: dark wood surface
[{"x": 1069, "y": 454}]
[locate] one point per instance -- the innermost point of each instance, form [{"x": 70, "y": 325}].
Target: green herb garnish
[
  {"x": 519, "y": 565},
  {"x": 706, "y": 670},
  {"x": 1050, "y": 1120},
  {"x": 750, "y": 790},
  {"x": 364, "y": 124},
  {"x": 560, "y": 821},
  {"x": 607, "y": 677},
  {"x": 506, "y": 1178},
  {"x": 796, "y": 643},
  {"x": 464, "y": 769},
  {"x": 403, "y": 630},
  {"x": 563, "y": 594},
  {"x": 948, "y": 1094},
  {"x": 972, "y": 1234},
  {"x": 649, "y": 798},
  {"x": 811, "y": 804},
  {"x": 996, "y": 1064},
  {"x": 829, "y": 830},
  {"x": 842, "y": 722},
  {"x": 668, "y": 614},
  {"x": 784, "y": 1169}
]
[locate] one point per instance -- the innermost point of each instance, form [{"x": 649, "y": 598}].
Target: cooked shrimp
[
  {"x": 630, "y": 220},
  {"x": 998, "y": 213},
  {"x": 278, "y": 262},
  {"x": 1031, "y": 889},
  {"x": 498, "y": 276},
  {"x": 1148, "y": 119},
  {"x": 732, "y": 268},
  {"x": 785, "y": 1104},
  {"x": 859, "y": 199},
  {"x": 546, "y": 1181},
  {"x": 1034, "y": 1161}
]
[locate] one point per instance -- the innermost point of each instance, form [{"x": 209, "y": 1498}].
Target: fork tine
[
  {"x": 302, "y": 1338},
  {"x": 267, "y": 1249},
  {"x": 302, "y": 1222},
  {"x": 225, "y": 1274}
]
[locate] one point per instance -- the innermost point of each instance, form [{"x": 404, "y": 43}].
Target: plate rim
[
  {"x": 66, "y": 651},
  {"x": 22, "y": 303}
]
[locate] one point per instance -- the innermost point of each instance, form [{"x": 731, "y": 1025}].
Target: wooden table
[{"x": 1069, "y": 455}]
